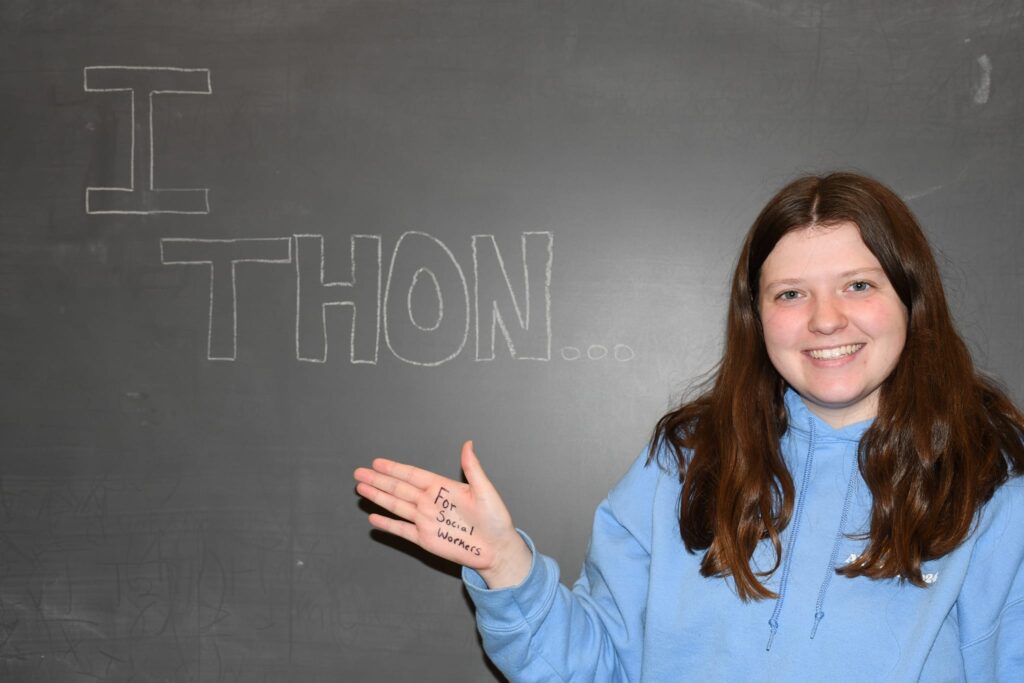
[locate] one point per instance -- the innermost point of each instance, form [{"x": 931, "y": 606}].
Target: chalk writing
[
  {"x": 221, "y": 256},
  {"x": 502, "y": 306},
  {"x": 423, "y": 274},
  {"x": 146, "y": 197},
  {"x": 313, "y": 294},
  {"x": 621, "y": 352},
  {"x": 440, "y": 304},
  {"x": 408, "y": 341}
]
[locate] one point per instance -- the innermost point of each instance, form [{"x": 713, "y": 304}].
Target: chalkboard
[{"x": 247, "y": 246}]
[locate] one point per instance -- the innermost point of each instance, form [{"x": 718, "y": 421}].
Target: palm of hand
[{"x": 464, "y": 523}]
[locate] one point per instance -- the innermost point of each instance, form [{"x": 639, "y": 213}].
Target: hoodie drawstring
[
  {"x": 773, "y": 622},
  {"x": 831, "y": 569}
]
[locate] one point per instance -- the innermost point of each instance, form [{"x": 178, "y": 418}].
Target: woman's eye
[
  {"x": 860, "y": 286},
  {"x": 788, "y": 295}
]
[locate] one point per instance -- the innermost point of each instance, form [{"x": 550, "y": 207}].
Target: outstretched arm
[
  {"x": 465, "y": 523},
  {"x": 533, "y": 628},
  {"x": 539, "y": 630}
]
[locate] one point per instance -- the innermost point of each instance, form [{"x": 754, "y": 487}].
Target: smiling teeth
[{"x": 833, "y": 353}]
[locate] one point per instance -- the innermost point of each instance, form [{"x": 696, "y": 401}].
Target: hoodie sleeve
[
  {"x": 991, "y": 602},
  {"x": 542, "y": 631}
]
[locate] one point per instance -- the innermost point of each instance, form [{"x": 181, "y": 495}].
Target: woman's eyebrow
[
  {"x": 787, "y": 281},
  {"x": 860, "y": 271},
  {"x": 845, "y": 274}
]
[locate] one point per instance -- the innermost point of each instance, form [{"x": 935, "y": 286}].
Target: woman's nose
[{"x": 827, "y": 316}]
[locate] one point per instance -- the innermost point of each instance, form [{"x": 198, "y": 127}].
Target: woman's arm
[
  {"x": 540, "y": 630},
  {"x": 533, "y": 627}
]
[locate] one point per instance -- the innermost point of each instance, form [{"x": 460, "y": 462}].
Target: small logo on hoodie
[{"x": 929, "y": 578}]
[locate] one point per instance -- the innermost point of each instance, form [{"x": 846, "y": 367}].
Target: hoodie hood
[{"x": 801, "y": 421}]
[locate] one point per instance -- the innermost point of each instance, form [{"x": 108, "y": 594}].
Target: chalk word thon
[{"x": 425, "y": 306}]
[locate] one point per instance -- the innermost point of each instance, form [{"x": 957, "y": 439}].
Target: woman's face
[{"x": 834, "y": 327}]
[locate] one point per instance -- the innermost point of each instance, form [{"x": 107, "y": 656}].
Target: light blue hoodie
[{"x": 641, "y": 611}]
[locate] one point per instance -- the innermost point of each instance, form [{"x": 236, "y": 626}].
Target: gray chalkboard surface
[{"x": 247, "y": 246}]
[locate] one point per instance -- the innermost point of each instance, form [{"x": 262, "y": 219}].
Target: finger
[
  {"x": 473, "y": 469},
  {"x": 388, "y": 484},
  {"x": 387, "y": 501},
  {"x": 363, "y": 474},
  {"x": 421, "y": 479},
  {"x": 395, "y": 527}
]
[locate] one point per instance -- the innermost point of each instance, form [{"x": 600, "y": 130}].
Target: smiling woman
[
  {"x": 837, "y": 299},
  {"x": 833, "y": 325},
  {"x": 845, "y": 431}
]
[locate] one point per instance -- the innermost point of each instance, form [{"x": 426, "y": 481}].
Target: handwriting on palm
[{"x": 464, "y": 523}]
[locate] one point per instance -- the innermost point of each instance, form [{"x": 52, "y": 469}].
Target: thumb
[{"x": 473, "y": 469}]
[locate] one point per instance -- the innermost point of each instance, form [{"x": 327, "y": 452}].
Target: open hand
[{"x": 465, "y": 523}]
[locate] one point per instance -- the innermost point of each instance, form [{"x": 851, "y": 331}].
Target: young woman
[{"x": 841, "y": 501}]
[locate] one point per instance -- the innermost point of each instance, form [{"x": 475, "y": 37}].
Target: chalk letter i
[{"x": 144, "y": 197}]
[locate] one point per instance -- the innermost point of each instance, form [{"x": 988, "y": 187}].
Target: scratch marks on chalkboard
[
  {"x": 983, "y": 83},
  {"x": 177, "y": 585},
  {"x": 935, "y": 188},
  {"x": 111, "y": 661},
  {"x": 7, "y": 542},
  {"x": 146, "y": 197}
]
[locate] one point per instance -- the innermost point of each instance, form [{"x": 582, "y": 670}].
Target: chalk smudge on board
[{"x": 984, "y": 83}]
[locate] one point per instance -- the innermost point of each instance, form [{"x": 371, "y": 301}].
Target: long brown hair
[{"x": 944, "y": 439}]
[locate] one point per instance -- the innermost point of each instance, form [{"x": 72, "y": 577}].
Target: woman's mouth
[{"x": 835, "y": 353}]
